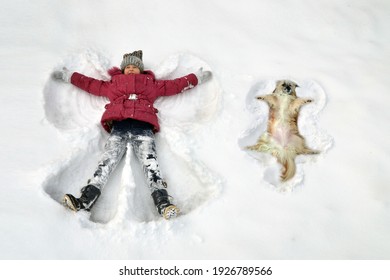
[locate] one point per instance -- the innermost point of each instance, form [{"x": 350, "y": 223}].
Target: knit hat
[{"x": 134, "y": 58}]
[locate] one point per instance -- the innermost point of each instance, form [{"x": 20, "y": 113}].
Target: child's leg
[
  {"x": 114, "y": 150},
  {"x": 142, "y": 140},
  {"x": 145, "y": 149}
]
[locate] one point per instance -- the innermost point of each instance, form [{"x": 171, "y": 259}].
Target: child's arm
[
  {"x": 172, "y": 87},
  {"x": 88, "y": 84}
]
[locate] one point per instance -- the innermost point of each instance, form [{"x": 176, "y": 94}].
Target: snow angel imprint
[
  {"x": 129, "y": 117},
  {"x": 282, "y": 139}
]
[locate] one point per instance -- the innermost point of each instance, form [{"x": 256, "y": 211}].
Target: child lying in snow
[{"x": 129, "y": 117}]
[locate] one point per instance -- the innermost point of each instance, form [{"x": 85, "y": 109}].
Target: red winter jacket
[{"x": 132, "y": 96}]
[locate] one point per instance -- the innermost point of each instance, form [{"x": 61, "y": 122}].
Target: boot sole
[
  {"x": 171, "y": 212},
  {"x": 69, "y": 203}
]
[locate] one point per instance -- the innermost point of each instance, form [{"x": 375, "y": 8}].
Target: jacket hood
[{"x": 117, "y": 71}]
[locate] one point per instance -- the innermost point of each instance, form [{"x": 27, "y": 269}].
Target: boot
[
  {"x": 164, "y": 207},
  {"x": 89, "y": 195}
]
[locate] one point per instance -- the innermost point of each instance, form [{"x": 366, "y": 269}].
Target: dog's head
[{"x": 285, "y": 87}]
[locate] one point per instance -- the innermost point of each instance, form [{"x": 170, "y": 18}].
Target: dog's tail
[
  {"x": 289, "y": 169},
  {"x": 287, "y": 160}
]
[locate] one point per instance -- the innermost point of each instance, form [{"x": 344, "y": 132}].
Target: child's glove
[
  {"x": 63, "y": 75},
  {"x": 202, "y": 76}
]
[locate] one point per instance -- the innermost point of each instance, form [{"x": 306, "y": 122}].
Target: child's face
[{"x": 131, "y": 69}]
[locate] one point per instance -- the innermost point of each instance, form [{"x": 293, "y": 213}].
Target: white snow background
[{"x": 336, "y": 207}]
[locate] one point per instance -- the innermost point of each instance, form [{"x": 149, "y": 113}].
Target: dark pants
[{"x": 141, "y": 137}]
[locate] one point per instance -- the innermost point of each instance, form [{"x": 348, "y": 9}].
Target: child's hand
[
  {"x": 202, "y": 76},
  {"x": 63, "y": 75}
]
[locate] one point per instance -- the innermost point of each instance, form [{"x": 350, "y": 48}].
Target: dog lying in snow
[{"x": 282, "y": 139}]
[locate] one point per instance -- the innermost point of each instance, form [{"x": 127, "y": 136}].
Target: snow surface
[{"x": 336, "y": 207}]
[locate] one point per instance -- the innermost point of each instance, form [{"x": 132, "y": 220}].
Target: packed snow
[{"x": 233, "y": 205}]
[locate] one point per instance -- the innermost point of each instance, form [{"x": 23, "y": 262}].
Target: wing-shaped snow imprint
[
  {"x": 308, "y": 127},
  {"x": 77, "y": 114},
  {"x": 180, "y": 117}
]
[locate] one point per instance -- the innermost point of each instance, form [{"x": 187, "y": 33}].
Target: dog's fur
[{"x": 282, "y": 138}]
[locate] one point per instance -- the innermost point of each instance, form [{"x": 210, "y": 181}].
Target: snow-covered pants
[{"x": 141, "y": 137}]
